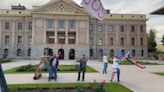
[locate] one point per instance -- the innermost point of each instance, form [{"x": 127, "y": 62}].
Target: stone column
[
  {"x": 33, "y": 31},
  {"x": 128, "y": 34},
  {"x": 13, "y": 50},
  {"x": 117, "y": 38},
  {"x": 66, "y": 31},
  {"x": 56, "y": 32},
  {"x": 106, "y": 35},
  {"x": 77, "y": 32},
  {"x": 45, "y": 27},
  {"x": 87, "y": 32}
]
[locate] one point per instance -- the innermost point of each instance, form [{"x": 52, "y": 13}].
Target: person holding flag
[
  {"x": 82, "y": 67},
  {"x": 116, "y": 69}
]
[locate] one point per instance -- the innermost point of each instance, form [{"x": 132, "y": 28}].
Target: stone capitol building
[{"x": 27, "y": 32}]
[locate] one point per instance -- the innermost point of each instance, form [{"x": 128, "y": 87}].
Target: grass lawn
[
  {"x": 61, "y": 67},
  {"x": 7, "y": 62},
  {"x": 110, "y": 87},
  {"x": 139, "y": 62},
  {"x": 160, "y": 74}
]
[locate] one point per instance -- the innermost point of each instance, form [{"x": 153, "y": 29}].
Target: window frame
[
  {"x": 30, "y": 26},
  {"x": 7, "y": 25},
  {"x": 50, "y": 24},
  {"x": 111, "y": 27},
  {"x": 132, "y": 41},
  {"x": 112, "y": 41},
  {"x": 61, "y": 24},
  {"x": 6, "y": 40},
  {"x": 123, "y": 41},
  {"x": 141, "y": 29},
  {"x": 101, "y": 28},
  {"x": 91, "y": 27},
  {"x": 20, "y": 40},
  {"x": 90, "y": 40},
  {"x": 20, "y": 26},
  {"x": 142, "y": 42},
  {"x": 122, "y": 29},
  {"x": 29, "y": 39},
  {"x": 132, "y": 28},
  {"x": 73, "y": 25},
  {"x": 100, "y": 42}
]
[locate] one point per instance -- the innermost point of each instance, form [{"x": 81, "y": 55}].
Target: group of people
[
  {"x": 115, "y": 67},
  {"x": 54, "y": 62}
]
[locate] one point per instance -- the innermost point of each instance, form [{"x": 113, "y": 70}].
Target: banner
[{"x": 95, "y": 7}]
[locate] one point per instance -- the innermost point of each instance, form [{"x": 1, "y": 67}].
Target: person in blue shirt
[
  {"x": 53, "y": 66},
  {"x": 82, "y": 67}
]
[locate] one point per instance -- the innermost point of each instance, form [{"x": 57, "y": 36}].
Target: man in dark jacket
[
  {"x": 82, "y": 67},
  {"x": 53, "y": 66}
]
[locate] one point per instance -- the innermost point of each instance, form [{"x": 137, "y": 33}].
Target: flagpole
[{"x": 69, "y": 29}]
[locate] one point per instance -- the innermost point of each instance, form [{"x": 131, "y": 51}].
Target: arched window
[
  {"x": 91, "y": 53},
  {"x": 142, "y": 53},
  {"x": 19, "y": 52},
  {"x": 100, "y": 53},
  {"x": 133, "y": 53},
  {"x": 29, "y": 52},
  {"x": 111, "y": 53},
  {"x": 6, "y": 51},
  {"x": 122, "y": 51}
]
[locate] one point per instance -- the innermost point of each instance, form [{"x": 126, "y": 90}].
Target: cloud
[{"x": 116, "y": 6}]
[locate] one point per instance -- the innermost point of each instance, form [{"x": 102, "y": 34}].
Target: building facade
[{"x": 25, "y": 32}]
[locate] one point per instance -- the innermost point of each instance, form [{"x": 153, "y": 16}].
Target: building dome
[{"x": 71, "y": 1}]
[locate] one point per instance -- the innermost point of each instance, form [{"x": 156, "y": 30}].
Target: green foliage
[
  {"x": 80, "y": 88},
  {"x": 151, "y": 40},
  {"x": 162, "y": 40},
  {"x": 97, "y": 87}
]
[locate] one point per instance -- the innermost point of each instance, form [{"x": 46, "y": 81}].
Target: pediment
[{"x": 61, "y": 7}]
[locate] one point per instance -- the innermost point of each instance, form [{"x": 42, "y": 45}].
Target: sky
[{"x": 115, "y": 6}]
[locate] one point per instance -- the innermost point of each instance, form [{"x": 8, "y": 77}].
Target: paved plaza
[{"x": 132, "y": 77}]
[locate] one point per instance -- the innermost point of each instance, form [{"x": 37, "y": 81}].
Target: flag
[
  {"x": 133, "y": 62},
  {"x": 95, "y": 7},
  {"x": 121, "y": 54}
]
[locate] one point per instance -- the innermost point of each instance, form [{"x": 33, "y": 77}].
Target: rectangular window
[
  {"x": 50, "y": 24},
  {"x": 19, "y": 40},
  {"x": 132, "y": 29},
  {"x": 142, "y": 53},
  {"x": 30, "y": 25},
  {"x": 73, "y": 24},
  {"x": 7, "y": 25},
  {"x": 91, "y": 41},
  {"x": 71, "y": 40},
  {"x": 6, "y": 39},
  {"x": 29, "y": 39},
  {"x": 91, "y": 27},
  {"x": 19, "y": 26},
  {"x": 122, "y": 41},
  {"x": 133, "y": 42},
  {"x": 61, "y": 40},
  {"x": 51, "y": 39},
  {"x": 122, "y": 28},
  {"x": 100, "y": 41},
  {"x": 61, "y": 24},
  {"x": 111, "y": 41},
  {"x": 141, "y": 41},
  {"x": 111, "y": 29},
  {"x": 141, "y": 28},
  {"x": 100, "y": 28}
]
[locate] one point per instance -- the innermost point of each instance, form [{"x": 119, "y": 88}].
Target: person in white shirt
[
  {"x": 116, "y": 69},
  {"x": 105, "y": 61}
]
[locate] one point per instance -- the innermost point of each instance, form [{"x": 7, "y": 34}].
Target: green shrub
[
  {"x": 80, "y": 88},
  {"x": 97, "y": 87}
]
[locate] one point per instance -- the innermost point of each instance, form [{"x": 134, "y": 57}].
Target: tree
[
  {"x": 151, "y": 41},
  {"x": 162, "y": 40}
]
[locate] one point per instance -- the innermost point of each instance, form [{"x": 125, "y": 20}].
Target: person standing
[
  {"x": 53, "y": 67},
  {"x": 116, "y": 69},
  {"x": 82, "y": 67},
  {"x": 105, "y": 61}
]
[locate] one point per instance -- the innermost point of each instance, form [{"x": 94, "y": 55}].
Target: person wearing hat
[
  {"x": 116, "y": 69},
  {"x": 105, "y": 61},
  {"x": 82, "y": 67}
]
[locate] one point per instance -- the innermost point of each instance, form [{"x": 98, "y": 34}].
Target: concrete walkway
[{"x": 132, "y": 77}]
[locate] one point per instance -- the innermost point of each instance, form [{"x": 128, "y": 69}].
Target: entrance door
[
  {"x": 71, "y": 54},
  {"x": 61, "y": 56},
  {"x": 50, "y": 52}
]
